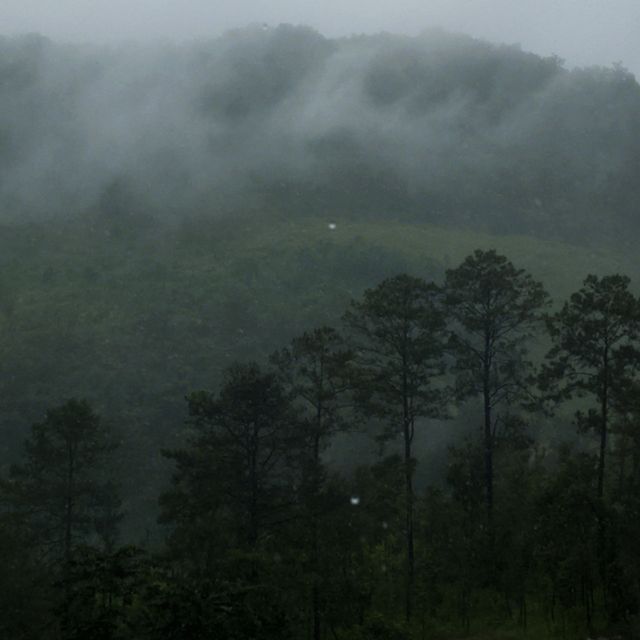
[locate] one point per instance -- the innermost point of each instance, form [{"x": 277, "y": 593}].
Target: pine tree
[
  {"x": 398, "y": 331},
  {"x": 596, "y": 351},
  {"x": 316, "y": 371},
  {"x": 57, "y": 491},
  {"x": 494, "y": 308}
]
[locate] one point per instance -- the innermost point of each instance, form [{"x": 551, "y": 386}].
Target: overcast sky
[{"x": 583, "y": 32}]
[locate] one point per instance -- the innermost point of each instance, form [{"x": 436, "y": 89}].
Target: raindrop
[
  {"x": 355, "y": 501},
  {"x": 332, "y": 226}
]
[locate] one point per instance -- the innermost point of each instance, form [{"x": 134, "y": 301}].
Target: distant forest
[{"x": 440, "y": 128}]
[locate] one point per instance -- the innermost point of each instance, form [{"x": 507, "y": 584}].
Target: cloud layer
[
  {"x": 584, "y": 32},
  {"x": 437, "y": 126}
]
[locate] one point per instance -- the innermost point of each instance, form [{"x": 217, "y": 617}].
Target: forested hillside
[
  {"x": 135, "y": 323},
  {"x": 209, "y": 254},
  {"x": 525, "y": 522},
  {"x": 437, "y": 128}
]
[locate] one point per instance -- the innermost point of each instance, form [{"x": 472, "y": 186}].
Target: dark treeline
[
  {"x": 440, "y": 128},
  {"x": 263, "y": 538}
]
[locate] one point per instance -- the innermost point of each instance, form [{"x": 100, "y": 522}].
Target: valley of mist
[{"x": 164, "y": 208}]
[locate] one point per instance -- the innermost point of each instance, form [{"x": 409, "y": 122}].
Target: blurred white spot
[
  {"x": 332, "y": 226},
  {"x": 385, "y": 525},
  {"x": 355, "y": 501}
]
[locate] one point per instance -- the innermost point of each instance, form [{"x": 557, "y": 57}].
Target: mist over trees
[{"x": 439, "y": 128}]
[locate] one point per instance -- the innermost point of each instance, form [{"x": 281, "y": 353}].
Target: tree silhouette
[
  {"x": 237, "y": 468},
  {"x": 59, "y": 489},
  {"x": 316, "y": 371},
  {"x": 595, "y": 350},
  {"x": 494, "y": 308},
  {"x": 399, "y": 334}
]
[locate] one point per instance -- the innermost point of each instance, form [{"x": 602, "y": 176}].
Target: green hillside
[{"x": 134, "y": 323}]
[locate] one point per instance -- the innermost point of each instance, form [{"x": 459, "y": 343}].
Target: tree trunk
[
  {"x": 68, "y": 537},
  {"x": 407, "y": 432},
  {"x": 488, "y": 431},
  {"x": 603, "y": 427},
  {"x": 252, "y": 534},
  {"x": 488, "y": 458},
  {"x": 622, "y": 464},
  {"x": 68, "y": 525},
  {"x": 315, "y": 560},
  {"x": 315, "y": 490},
  {"x": 408, "y": 470}
]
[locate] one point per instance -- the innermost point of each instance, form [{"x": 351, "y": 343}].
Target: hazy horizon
[{"x": 582, "y": 32}]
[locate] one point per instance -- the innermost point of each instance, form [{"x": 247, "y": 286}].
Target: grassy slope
[
  {"x": 561, "y": 266},
  {"x": 80, "y": 305},
  {"x": 134, "y": 321}
]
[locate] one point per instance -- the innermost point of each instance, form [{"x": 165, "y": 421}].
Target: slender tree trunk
[
  {"x": 603, "y": 426},
  {"x": 69, "y": 507},
  {"x": 601, "y": 542},
  {"x": 408, "y": 470},
  {"x": 488, "y": 457},
  {"x": 488, "y": 431},
  {"x": 252, "y": 534},
  {"x": 408, "y": 475},
  {"x": 315, "y": 491},
  {"x": 68, "y": 537},
  {"x": 622, "y": 465},
  {"x": 315, "y": 603},
  {"x": 315, "y": 561},
  {"x": 523, "y": 611}
]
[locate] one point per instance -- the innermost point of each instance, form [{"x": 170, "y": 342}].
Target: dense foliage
[{"x": 266, "y": 538}]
